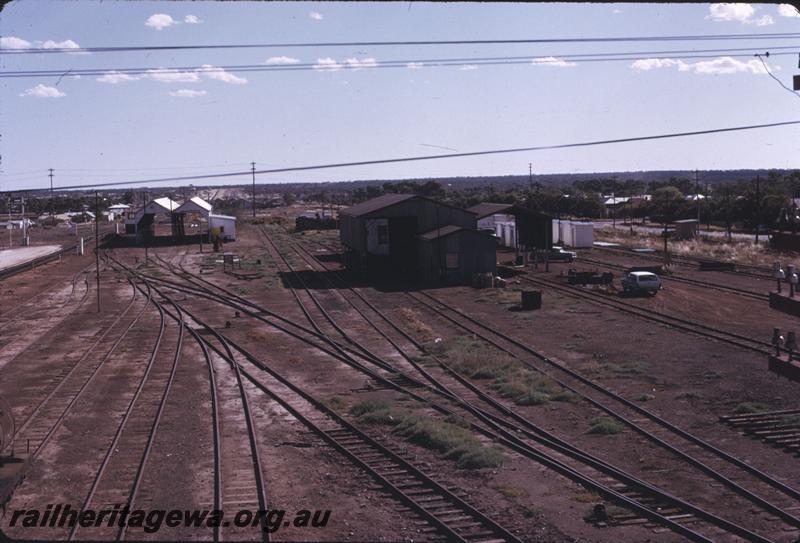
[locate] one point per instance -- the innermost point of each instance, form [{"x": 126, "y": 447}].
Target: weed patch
[
  {"x": 450, "y": 437},
  {"x": 604, "y": 426},
  {"x": 749, "y": 407}
]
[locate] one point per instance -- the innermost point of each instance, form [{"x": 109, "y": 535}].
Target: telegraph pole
[
  {"x": 697, "y": 199},
  {"x": 97, "y": 245},
  {"x": 24, "y": 225},
  {"x": 758, "y": 205},
  {"x": 51, "y": 196},
  {"x": 253, "y": 169}
]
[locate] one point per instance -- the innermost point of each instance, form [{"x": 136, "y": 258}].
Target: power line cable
[
  {"x": 769, "y": 72},
  {"x": 428, "y": 157},
  {"x": 698, "y": 37},
  {"x": 362, "y": 64}
]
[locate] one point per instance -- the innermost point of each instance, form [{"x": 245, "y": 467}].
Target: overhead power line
[
  {"x": 761, "y": 58},
  {"x": 610, "y": 39},
  {"x": 420, "y": 158},
  {"x": 418, "y": 63}
]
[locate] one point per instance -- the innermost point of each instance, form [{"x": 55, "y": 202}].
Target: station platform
[{"x": 20, "y": 255}]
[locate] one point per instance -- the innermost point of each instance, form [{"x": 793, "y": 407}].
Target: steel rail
[
  {"x": 519, "y": 446},
  {"x": 156, "y": 420},
  {"x": 486, "y": 397},
  {"x": 784, "y": 488},
  {"x": 66, "y": 376},
  {"x": 49, "y": 434},
  {"x": 526, "y": 450},
  {"x": 121, "y": 425},
  {"x": 585, "y": 457},
  {"x": 685, "y": 325},
  {"x": 249, "y": 420},
  {"x": 692, "y": 261},
  {"x": 687, "y": 280}
]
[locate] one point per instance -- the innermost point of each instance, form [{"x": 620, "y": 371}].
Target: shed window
[
  {"x": 383, "y": 234},
  {"x": 452, "y": 260}
]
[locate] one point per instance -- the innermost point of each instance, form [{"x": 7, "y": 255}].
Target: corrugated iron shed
[{"x": 376, "y": 204}]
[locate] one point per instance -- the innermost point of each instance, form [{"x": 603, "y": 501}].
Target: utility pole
[
  {"x": 697, "y": 199},
  {"x": 24, "y": 226},
  {"x": 728, "y": 211},
  {"x": 97, "y": 245},
  {"x": 253, "y": 169},
  {"x": 9, "y": 221},
  {"x": 51, "y": 196},
  {"x": 758, "y": 206},
  {"x": 530, "y": 175},
  {"x": 614, "y": 209}
]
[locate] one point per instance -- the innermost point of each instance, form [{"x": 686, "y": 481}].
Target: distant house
[
  {"x": 117, "y": 211},
  {"x": 613, "y": 204}
]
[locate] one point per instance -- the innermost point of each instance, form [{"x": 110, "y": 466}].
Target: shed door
[{"x": 403, "y": 245}]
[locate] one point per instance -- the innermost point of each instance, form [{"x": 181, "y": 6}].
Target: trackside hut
[
  {"x": 382, "y": 235},
  {"x": 453, "y": 254}
]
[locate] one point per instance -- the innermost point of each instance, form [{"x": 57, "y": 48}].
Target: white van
[{"x": 641, "y": 281}]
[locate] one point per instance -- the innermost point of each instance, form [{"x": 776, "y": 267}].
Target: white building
[
  {"x": 224, "y": 225},
  {"x": 573, "y": 233}
]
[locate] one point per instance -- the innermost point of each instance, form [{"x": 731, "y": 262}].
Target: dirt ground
[{"x": 688, "y": 380}]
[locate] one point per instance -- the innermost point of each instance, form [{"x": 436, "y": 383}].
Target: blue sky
[{"x": 107, "y": 127}]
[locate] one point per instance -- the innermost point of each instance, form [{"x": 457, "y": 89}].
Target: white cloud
[
  {"x": 11, "y": 42},
  {"x": 66, "y": 44},
  {"x": 327, "y": 64},
  {"x": 743, "y": 13},
  {"x": 615, "y": 11},
  {"x": 212, "y": 72},
  {"x": 281, "y": 60},
  {"x": 727, "y": 65},
  {"x": 415, "y": 65},
  {"x": 717, "y": 66},
  {"x": 730, "y": 12},
  {"x": 468, "y": 67},
  {"x": 553, "y": 61},
  {"x": 765, "y": 20},
  {"x": 357, "y": 64},
  {"x": 192, "y": 20},
  {"x": 315, "y": 15},
  {"x": 187, "y": 93},
  {"x": 160, "y": 21},
  {"x": 650, "y": 63},
  {"x": 788, "y": 10},
  {"x": 169, "y": 75},
  {"x": 113, "y": 77},
  {"x": 166, "y": 75},
  {"x": 43, "y": 91}
]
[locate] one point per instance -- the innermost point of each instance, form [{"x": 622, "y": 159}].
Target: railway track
[
  {"x": 439, "y": 506},
  {"x": 632, "y": 488},
  {"x": 116, "y": 480},
  {"x": 684, "y": 325},
  {"x": 741, "y": 269},
  {"x": 693, "y": 441},
  {"x": 637, "y": 486},
  {"x": 41, "y": 422},
  {"x": 239, "y": 481},
  {"x": 760, "y": 296},
  {"x": 780, "y": 429}
]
